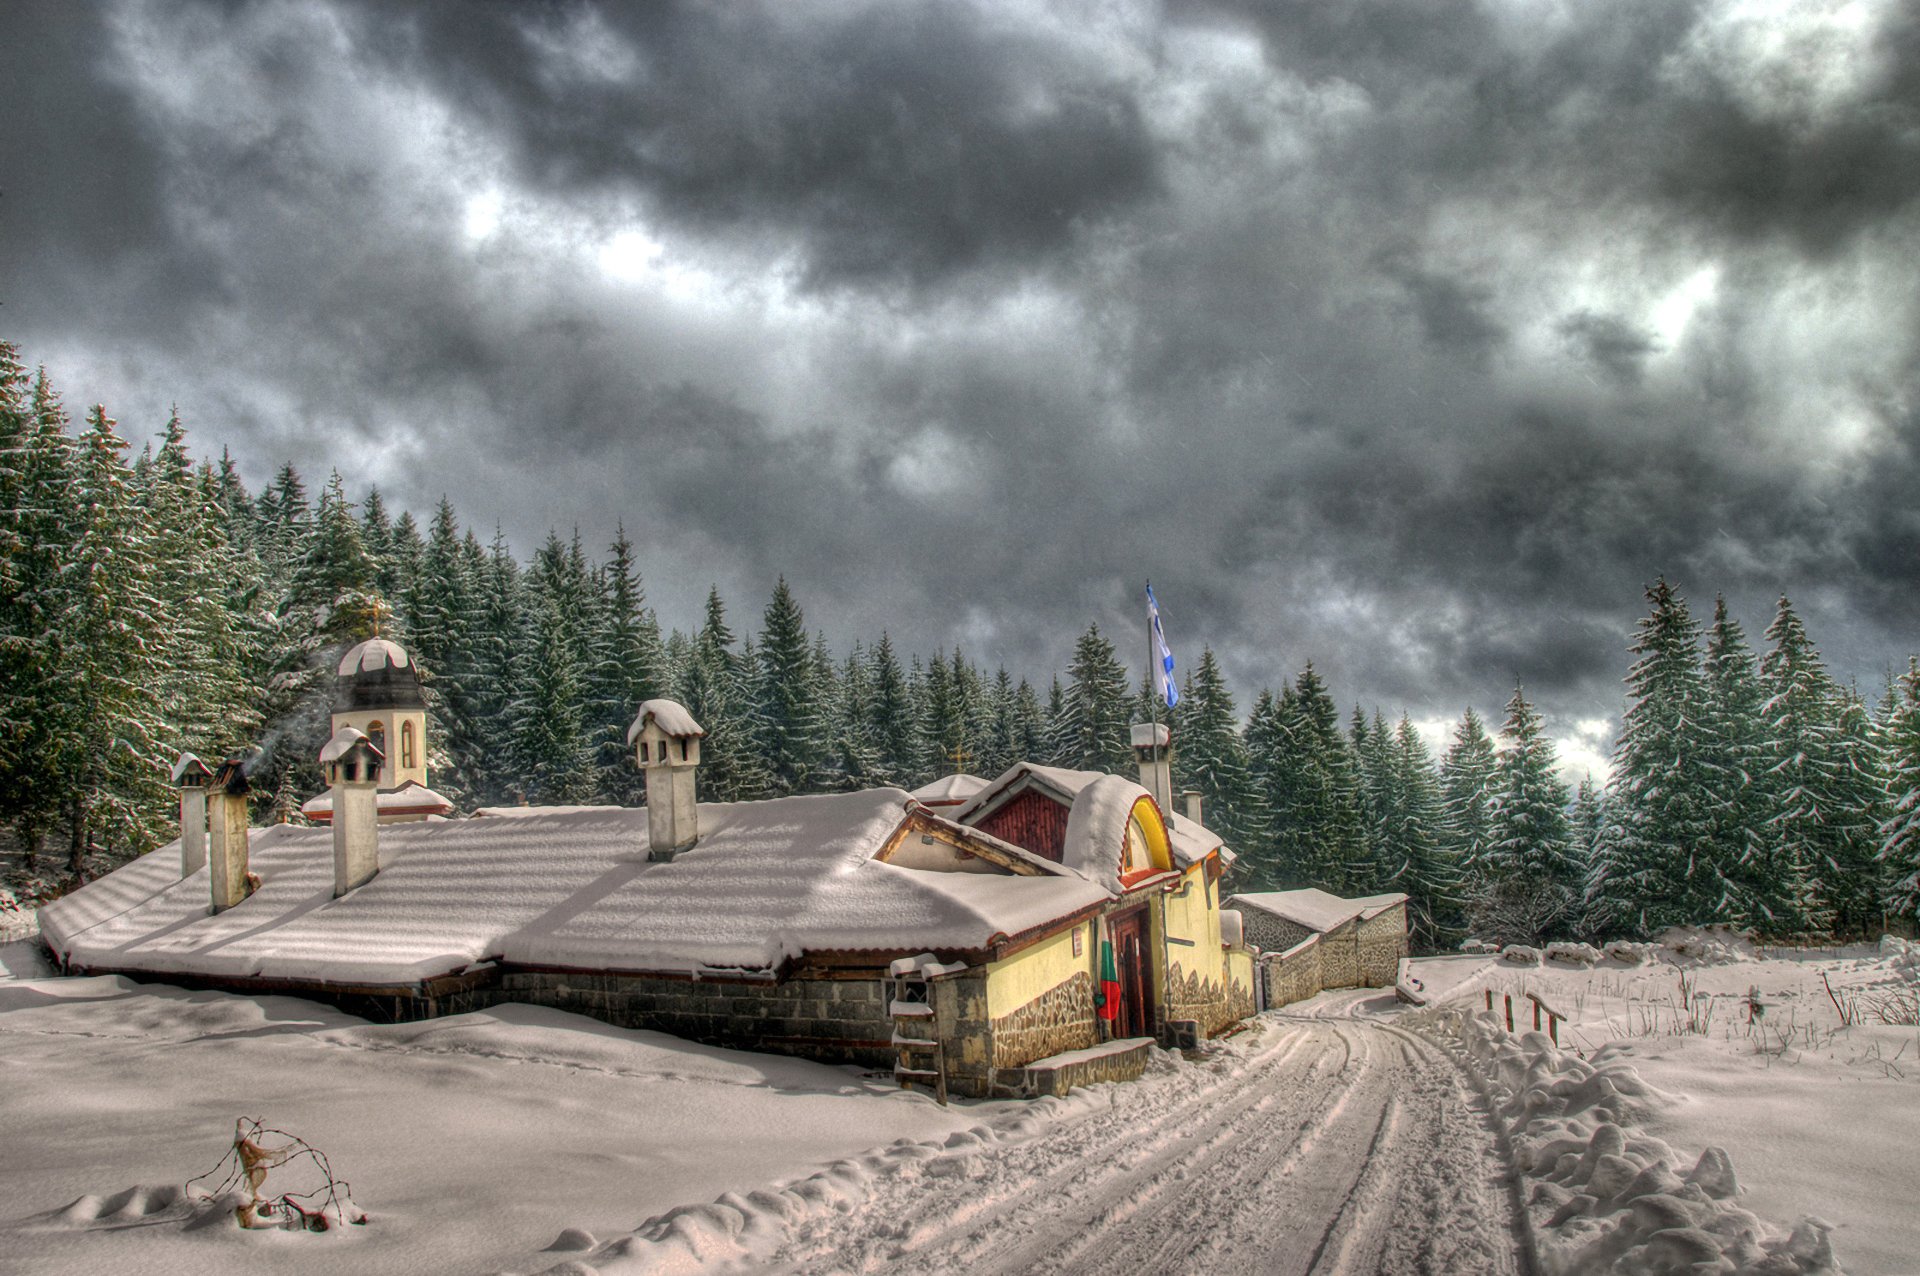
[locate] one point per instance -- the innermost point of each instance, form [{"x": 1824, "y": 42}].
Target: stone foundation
[
  {"x": 832, "y": 1020},
  {"x": 1213, "y": 1005},
  {"x": 1125, "y": 1061},
  {"x": 1056, "y": 1021}
]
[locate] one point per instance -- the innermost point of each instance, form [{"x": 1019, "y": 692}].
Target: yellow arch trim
[{"x": 1154, "y": 825}]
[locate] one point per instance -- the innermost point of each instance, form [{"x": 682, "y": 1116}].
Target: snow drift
[{"x": 1601, "y": 1195}]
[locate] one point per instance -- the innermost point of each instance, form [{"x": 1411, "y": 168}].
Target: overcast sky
[{"x": 1410, "y": 338}]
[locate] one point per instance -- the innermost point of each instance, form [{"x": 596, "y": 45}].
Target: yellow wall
[
  {"x": 392, "y": 774},
  {"x": 1017, "y": 980},
  {"x": 1194, "y": 916}
]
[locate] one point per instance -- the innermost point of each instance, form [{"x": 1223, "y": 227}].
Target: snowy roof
[
  {"x": 372, "y": 655},
  {"x": 949, "y": 790},
  {"x": 189, "y": 763},
  {"x": 669, "y": 715},
  {"x": 1191, "y": 842},
  {"x": 767, "y": 881},
  {"x": 1316, "y": 909},
  {"x": 411, "y": 798},
  {"x": 343, "y": 739},
  {"x": 1150, "y": 734}
]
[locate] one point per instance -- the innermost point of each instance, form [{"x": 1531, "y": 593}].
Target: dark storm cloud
[
  {"x": 1414, "y": 340},
  {"x": 1613, "y": 344},
  {"x": 887, "y": 143}
]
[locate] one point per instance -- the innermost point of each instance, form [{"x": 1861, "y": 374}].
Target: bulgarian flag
[{"x": 1109, "y": 999}]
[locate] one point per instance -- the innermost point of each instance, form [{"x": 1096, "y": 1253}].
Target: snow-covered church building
[{"x": 1017, "y": 935}]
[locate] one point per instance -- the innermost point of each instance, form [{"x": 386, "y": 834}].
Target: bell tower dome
[{"x": 379, "y": 695}]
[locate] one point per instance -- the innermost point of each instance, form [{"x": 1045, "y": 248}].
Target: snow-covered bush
[
  {"x": 1603, "y": 1196},
  {"x": 1902, "y": 957},
  {"x": 16, "y": 921},
  {"x": 1577, "y": 954},
  {"x": 1520, "y": 955},
  {"x": 1708, "y": 945},
  {"x": 1630, "y": 952}
]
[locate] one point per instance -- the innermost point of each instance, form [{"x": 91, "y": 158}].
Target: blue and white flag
[{"x": 1168, "y": 692}]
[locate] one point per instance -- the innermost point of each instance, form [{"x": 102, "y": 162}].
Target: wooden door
[{"x": 1135, "y": 973}]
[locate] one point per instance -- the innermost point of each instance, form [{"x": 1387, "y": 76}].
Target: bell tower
[{"x": 379, "y": 695}]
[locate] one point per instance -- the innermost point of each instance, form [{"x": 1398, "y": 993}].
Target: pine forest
[{"x": 151, "y": 604}]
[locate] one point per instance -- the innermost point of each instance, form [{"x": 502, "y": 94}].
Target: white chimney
[
  {"x": 190, "y": 776},
  {"x": 227, "y": 821},
  {"x": 1151, "y": 748},
  {"x": 1191, "y": 799},
  {"x": 666, "y": 744},
  {"x": 352, "y": 767}
]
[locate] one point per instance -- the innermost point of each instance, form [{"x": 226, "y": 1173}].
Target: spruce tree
[
  {"x": 1900, "y": 831},
  {"x": 1534, "y": 874},
  {"x": 1094, "y": 734},
  {"x": 1412, "y": 853},
  {"x": 890, "y": 718},
  {"x": 116, "y": 760},
  {"x": 1656, "y": 864},
  {"x": 1739, "y": 793},
  {"x": 1466, "y": 797},
  {"x": 626, "y": 672},
  {"x": 550, "y": 744},
  {"x": 1271, "y": 766},
  {"x": 38, "y": 530},
  {"x": 1802, "y": 776},
  {"x": 790, "y": 736},
  {"x": 1312, "y": 792},
  {"x": 855, "y": 752},
  {"x": 1212, "y": 756},
  {"x": 1852, "y": 873}
]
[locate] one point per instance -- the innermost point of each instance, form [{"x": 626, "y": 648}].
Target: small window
[
  {"x": 377, "y": 737},
  {"x": 407, "y": 746},
  {"x": 684, "y": 744},
  {"x": 646, "y": 751}
]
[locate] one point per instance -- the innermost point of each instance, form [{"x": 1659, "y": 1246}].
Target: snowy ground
[
  {"x": 1820, "y": 1117},
  {"x": 1322, "y": 1143},
  {"x": 1339, "y": 1135},
  {"x": 471, "y": 1141}
]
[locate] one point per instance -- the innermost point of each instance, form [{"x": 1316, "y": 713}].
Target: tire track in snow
[
  {"x": 1004, "y": 1183},
  {"x": 1062, "y": 1183},
  {"x": 1343, "y": 1145}
]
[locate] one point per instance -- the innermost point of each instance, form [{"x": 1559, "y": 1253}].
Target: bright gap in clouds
[
  {"x": 1673, "y": 312},
  {"x": 483, "y": 215},
  {"x": 629, "y": 256}
]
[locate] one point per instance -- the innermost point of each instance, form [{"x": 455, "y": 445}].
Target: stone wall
[
  {"x": 1381, "y": 944},
  {"x": 1056, "y": 1021},
  {"x": 1340, "y": 956},
  {"x": 1123, "y": 1063},
  {"x": 1269, "y": 933},
  {"x": 1295, "y": 978},
  {"x": 1214, "y": 1005},
  {"x": 842, "y": 1020}
]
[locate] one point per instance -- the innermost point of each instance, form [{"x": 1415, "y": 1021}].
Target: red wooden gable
[{"x": 1033, "y": 822}]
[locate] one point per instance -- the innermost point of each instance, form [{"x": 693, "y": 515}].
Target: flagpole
[{"x": 1153, "y": 707}]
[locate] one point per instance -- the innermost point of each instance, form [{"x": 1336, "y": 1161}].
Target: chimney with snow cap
[
  {"x": 190, "y": 776},
  {"x": 227, "y": 825},
  {"x": 1190, "y": 800},
  {"x": 666, "y": 744},
  {"x": 1152, "y": 749},
  {"x": 352, "y": 767}
]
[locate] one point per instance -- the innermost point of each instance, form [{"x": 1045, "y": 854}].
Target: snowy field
[
  {"x": 473, "y": 1142},
  {"x": 1817, "y": 1101},
  {"x": 1337, "y": 1135}
]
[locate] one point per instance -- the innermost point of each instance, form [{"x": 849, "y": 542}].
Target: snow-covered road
[{"x": 1331, "y": 1141}]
